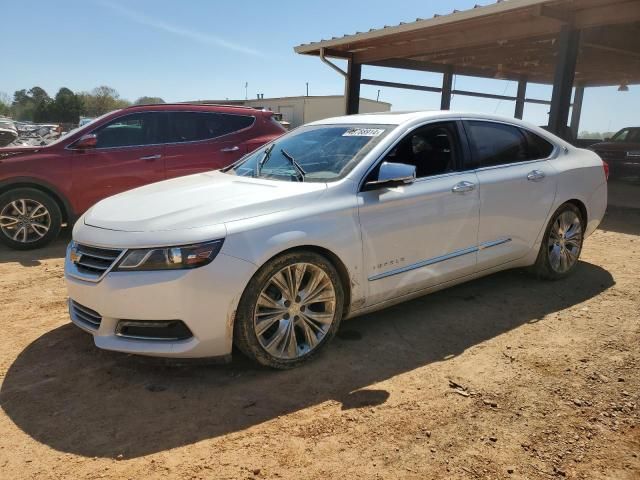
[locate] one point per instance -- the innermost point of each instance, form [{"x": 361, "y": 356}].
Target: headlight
[{"x": 170, "y": 258}]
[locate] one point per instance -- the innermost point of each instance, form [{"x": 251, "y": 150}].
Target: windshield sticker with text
[{"x": 363, "y": 132}]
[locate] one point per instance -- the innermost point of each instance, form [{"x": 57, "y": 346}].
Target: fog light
[{"x": 168, "y": 330}]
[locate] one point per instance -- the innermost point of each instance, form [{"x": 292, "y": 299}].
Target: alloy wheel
[
  {"x": 25, "y": 220},
  {"x": 294, "y": 311},
  {"x": 565, "y": 242}
]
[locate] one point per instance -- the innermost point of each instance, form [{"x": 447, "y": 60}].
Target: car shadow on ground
[
  {"x": 67, "y": 394},
  {"x": 31, "y": 258},
  {"x": 622, "y": 220}
]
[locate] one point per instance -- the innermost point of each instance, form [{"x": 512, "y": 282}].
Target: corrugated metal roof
[{"x": 501, "y": 6}]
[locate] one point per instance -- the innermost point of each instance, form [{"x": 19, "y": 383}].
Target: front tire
[
  {"x": 29, "y": 219},
  {"x": 290, "y": 310},
  {"x": 561, "y": 244}
]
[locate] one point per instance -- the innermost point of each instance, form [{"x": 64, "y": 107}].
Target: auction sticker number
[{"x": 363, "y": 132}]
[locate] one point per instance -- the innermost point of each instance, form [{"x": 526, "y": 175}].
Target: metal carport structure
[{"x": 564, "y": 43}]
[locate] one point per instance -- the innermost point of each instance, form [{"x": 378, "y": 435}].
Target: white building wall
[{"x": 300, "y": 110}]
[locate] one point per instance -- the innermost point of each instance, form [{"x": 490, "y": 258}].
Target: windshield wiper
[
  {"x": 264, "y": 159},
  {"x": 296, "y": 165}
]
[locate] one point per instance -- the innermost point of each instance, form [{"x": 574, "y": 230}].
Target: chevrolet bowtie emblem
[{"x": 74, "y": 256}]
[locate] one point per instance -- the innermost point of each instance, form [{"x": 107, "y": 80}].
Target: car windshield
[
  {"x": 631, "y": 135},
  {"x": 320, "y": 153},
  {"x": 86, "y": 126}
]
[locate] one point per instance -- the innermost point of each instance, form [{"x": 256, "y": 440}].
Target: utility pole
[
  {"x": 307, "y": 89},
  {"x": 378, "y": 97},
  {"x": 246, "y": 90}
]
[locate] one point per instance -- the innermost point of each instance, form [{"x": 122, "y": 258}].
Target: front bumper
[{"x": 205, "y": 299}]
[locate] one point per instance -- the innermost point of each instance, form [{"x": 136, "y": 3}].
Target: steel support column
[
  {"x": 447, "y": 87},
  {"x": 577, "y": 111},
  {"x": 352, "y": 88},
  {"x": 520, "y": 98},
  {"x": 568, "y": 43}
]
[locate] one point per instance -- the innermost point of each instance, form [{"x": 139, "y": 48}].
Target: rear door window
[
  {"x": 197, "y": 126},
  {"x": 496, "y": 143},
  {"x": 137, "y": 129}
]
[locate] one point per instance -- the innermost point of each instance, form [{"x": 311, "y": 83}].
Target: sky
[{"x": 203, "y": 49}]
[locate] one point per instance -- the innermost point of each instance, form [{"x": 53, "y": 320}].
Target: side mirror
[
  {"x": 393, "y": 175},
  {"x": 607, "y": 139},
  {"x": 86, "y": 142}
]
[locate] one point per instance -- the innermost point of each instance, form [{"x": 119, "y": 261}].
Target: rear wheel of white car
[
  {"x": 29, "y": 218},
  {"x": 290, "y": 310},
  {"x": 562, "y": 244}
]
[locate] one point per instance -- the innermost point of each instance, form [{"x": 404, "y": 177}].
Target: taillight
[{"x": 605, "y": 166}]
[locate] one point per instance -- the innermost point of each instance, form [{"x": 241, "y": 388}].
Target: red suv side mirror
[{"x": 86, "y": 142}]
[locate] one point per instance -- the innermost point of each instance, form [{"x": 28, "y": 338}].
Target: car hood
[
  {"x": 6, "y": 152},
  {"x": 198, "y": 201}
]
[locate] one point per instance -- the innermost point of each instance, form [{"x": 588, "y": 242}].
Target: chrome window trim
[
  {"x": 442, "y": 258},
  {"x": 68, "y": 147},
  {"x": 507, "y": 165}
]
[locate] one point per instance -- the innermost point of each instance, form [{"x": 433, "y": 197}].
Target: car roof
[
  {"x": 208, "y": 107},
  {"x": 409, "y": 117}
]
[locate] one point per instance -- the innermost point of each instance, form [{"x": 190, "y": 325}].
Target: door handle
[
  {"x": 151, "y": 157},
  {"x": 463, "y": 187},
  {"x": 230, "y": 149},
  {"x": 536, "y": 176}
]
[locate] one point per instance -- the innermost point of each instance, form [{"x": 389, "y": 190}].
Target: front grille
[
  {"x": 93, "y": 262},
  {"x": 84, "y": 315}
]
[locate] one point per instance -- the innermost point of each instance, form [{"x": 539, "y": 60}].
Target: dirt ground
[{"x": 504, "y": 377}]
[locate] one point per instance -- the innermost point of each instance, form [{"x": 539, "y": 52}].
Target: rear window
[
  {"x": 501, "y": 144},
  {"x": 538, "y": 147},
  {"x": 195, "y": 126}
]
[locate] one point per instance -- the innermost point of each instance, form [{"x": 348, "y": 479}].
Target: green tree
[
  {"x": 5, "y": 104},
  {"x": 101, "y": 100},
  {"x": 66, "y": 107},
  {"x": 148, "y": 101},
  {"x": 23, "y": 105},
  {"x": 42, "y": 104},
  {"x": 39, "y": 95}
]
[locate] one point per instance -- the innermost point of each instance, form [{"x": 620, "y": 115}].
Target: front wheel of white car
[
  {"x": 290, "y": 310},
  {"x": 562, "y": 244}
]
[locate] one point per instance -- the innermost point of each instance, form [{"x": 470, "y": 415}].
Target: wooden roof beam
[
  {"x": 562, "y": 16},
  {"x": 470, "y": 71},
  {"x": 625, "y": 41},
  {"x": 623, "y": 12},
  {"x": 478, "y": 36}
]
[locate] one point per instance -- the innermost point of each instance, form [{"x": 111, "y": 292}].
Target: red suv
[{"x": 41, "y": 188}]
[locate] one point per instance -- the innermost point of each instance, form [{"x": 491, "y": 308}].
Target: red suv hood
[{"x": 12, "y": 151}]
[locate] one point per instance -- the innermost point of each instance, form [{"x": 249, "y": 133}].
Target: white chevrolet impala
[{"x": 337, "y": 218}]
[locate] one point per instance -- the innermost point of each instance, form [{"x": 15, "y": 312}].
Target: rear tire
[
  {"x": 290, "y": 310},
  {"x": 561, "y": 245},
  {"x": 29, "y": 219}
]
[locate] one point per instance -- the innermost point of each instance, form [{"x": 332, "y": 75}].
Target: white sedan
[{"x": 337, "y": 218}]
